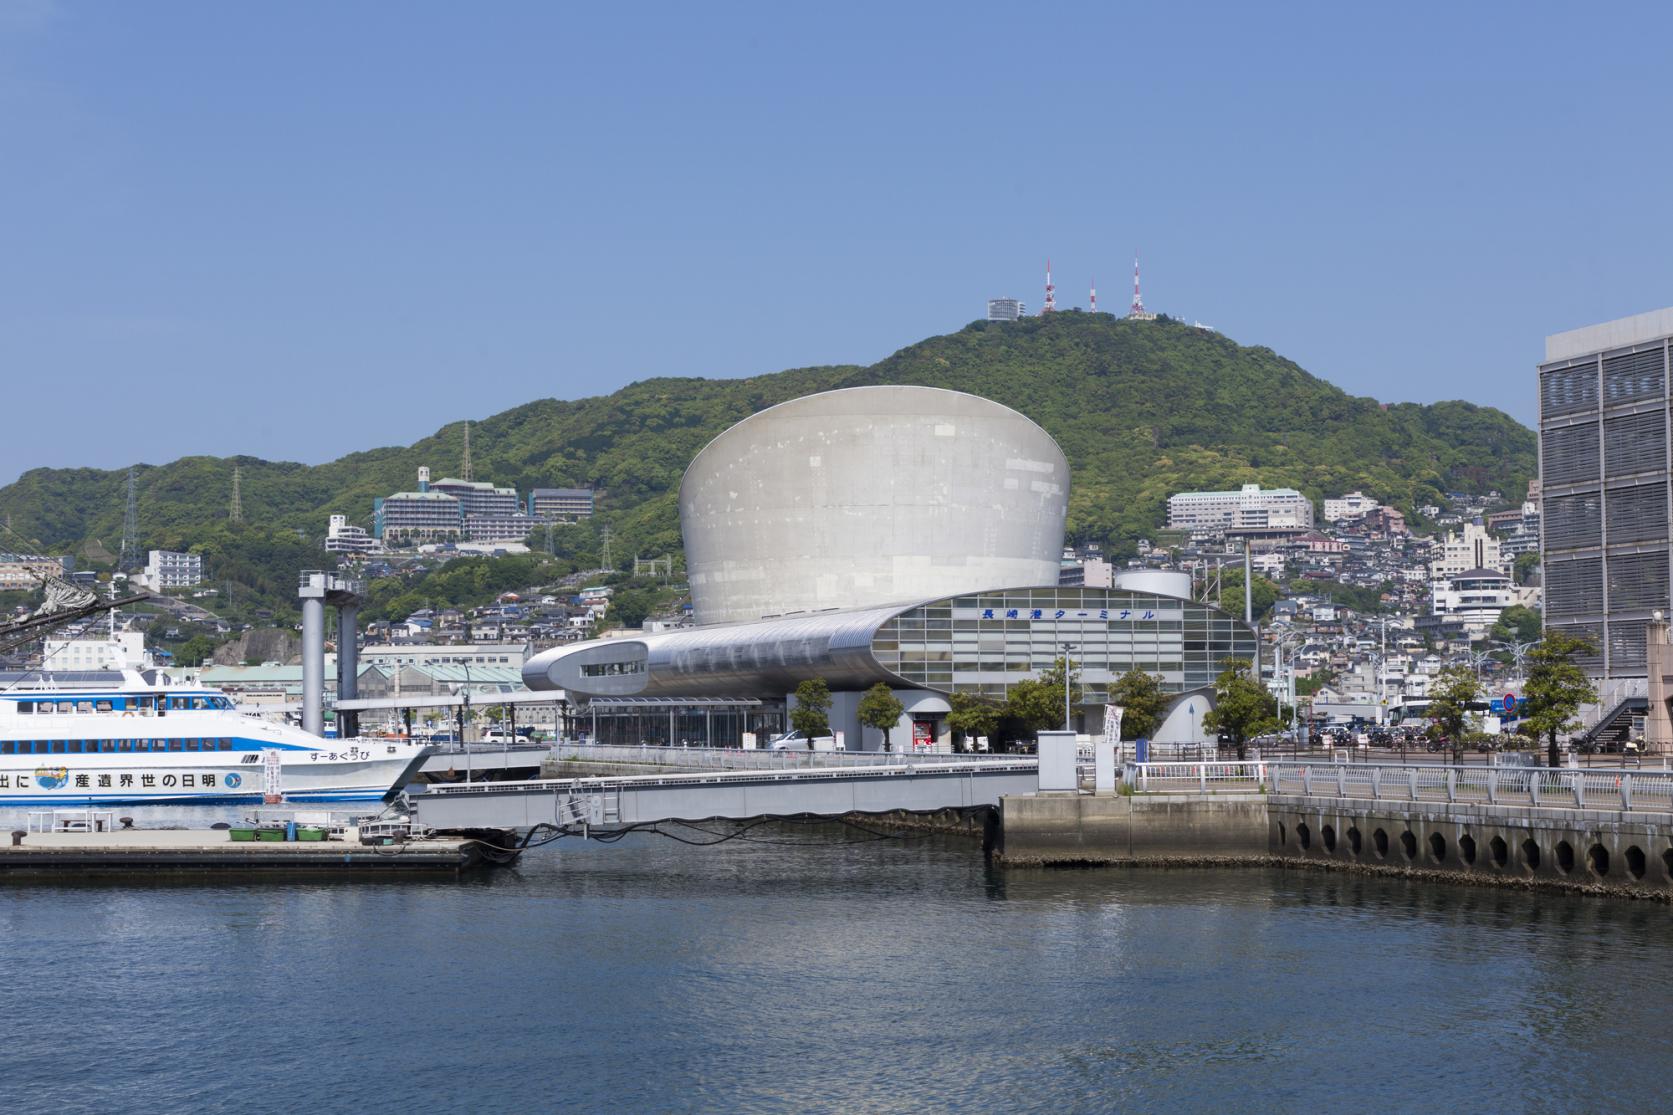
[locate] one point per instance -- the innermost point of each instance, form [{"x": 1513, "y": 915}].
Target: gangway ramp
[{"x": 724, "y": 795}]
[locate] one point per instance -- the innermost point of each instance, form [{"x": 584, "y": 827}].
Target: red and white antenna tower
[
  {"x": 1093, "y": 306},
  {"x": 1051, "y": 292},
  {"x": 1138, "y": 302}
]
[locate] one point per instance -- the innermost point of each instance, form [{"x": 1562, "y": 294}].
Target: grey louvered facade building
[{"x": 1605, "y": 471}]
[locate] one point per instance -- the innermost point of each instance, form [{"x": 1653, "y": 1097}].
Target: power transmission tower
[
  {"x": 236, "y": 513},
  {"x": 605, "y": 562},
  {"x": 130, "y": 527},
  {"x": 465, "y": 462}
]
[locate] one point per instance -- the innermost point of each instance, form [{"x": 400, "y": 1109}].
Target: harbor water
[{"x": 901, "y": 975}]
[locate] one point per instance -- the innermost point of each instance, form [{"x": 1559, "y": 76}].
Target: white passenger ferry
[{"x": 139, "y": 744}]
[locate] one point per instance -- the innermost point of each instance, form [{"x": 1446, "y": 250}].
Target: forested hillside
[{"x": 1141, "y": 408}]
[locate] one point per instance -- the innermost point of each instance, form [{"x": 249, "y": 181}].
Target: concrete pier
[{"x": 67, "y": 856}]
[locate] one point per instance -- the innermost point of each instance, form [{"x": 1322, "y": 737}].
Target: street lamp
[
  {"x": 1518, "y": 651},
  {"x": 1068, "y": 684}
]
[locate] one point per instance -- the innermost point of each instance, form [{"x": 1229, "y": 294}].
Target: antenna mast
[
  {"x": 130, "y": 527},
  {"x": 1138, "y": 299},
  {"x": 1093, "y": 306},
  {"x": 1051, "y": 292}
]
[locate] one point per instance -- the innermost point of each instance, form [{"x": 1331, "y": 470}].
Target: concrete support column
[
  {"x": 1658, "y": 659},
  {"x": 348, "y": 668},
  {"x": 313, "y": 665}
]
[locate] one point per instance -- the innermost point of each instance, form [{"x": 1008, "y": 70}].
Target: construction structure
[{"x": 316, "y": 590}]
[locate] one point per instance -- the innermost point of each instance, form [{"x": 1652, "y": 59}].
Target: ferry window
[
  {"x": 26, "y": 708},
  {"x": 124, "y": 745},
  {"x": 191, "y": 745},
  {"x": 103, "y": 706},
  {"x": 200, "y": 703},
  {"x": 107, "y": 745},
  {"x": 146, "y": 702},
  {"x": 66, "y": 706},
  {"x": 84, "y": 706},
  {"x": 226, "y": 745},
  {"x": 174, "y": 745},
  {"x": 75, "y": 746},
  {"x": 8, "y": 747},
  {"x": 58, "y": 747}
]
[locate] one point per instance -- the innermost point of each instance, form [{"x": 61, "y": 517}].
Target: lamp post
[
  {"x": 1068, "y": 684},
  {"x": 1518, "y": 651}
]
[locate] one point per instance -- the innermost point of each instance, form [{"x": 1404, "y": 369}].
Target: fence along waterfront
[{"x": 1623, "y": 788}]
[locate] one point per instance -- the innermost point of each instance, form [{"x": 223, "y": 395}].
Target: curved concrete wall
[
  {"x": 870, "y": 495},
  {"x": 1163, "y": 582}
]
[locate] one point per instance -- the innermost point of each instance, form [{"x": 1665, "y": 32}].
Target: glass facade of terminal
[
  {"x": 1607, "y": 484},
  {"x": 984, "y": 643}
]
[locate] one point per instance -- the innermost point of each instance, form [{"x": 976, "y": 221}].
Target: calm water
[{"x": 648, "y": 976}]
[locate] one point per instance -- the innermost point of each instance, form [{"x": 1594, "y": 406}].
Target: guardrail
[
  {"x": 1623, "y": 788},
  {"x": 731, "y": 758}
]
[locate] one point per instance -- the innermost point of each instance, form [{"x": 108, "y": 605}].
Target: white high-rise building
[
  {"x": 1005, "y": 309},
  {"x": 167, "y": 569},
  {"x": 1474, "y": 548},
  {"x": 1354, "y": 505},
  {"x": 1250, "y": 508},
  {"x": 342, "y": 538}
]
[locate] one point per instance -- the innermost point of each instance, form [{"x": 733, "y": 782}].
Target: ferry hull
[{"x": 210, "y": 778}]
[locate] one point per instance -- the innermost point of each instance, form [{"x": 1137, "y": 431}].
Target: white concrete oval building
[{"x": 870, "y": 495}]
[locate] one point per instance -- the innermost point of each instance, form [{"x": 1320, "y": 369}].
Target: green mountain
[{"x": 1142, "y": 409}]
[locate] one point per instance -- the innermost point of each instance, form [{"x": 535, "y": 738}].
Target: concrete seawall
[
  {"x": 1627, "y": 854},
  {"x": 1574, "y": 849},
  {"x": 1113, "y": 829}
]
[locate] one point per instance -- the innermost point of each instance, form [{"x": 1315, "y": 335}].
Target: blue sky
[{"x": 295, "y": 230}]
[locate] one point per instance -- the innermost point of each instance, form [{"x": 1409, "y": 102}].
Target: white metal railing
[
  {"x": 1245, "y": 775},
  {"x": 1625, "y": 788},
  {"x": 729, "y": 758}
]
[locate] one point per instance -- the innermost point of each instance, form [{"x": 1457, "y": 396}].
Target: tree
[
  {"x": 1231, "y": 592},
  {"x": 1449, "y": 705},
  {"x": 813, "y": 702},
  {"x": 1142, "y": 700},
  {"x": 882, "y": 710},
  {"x": 971, "y": 716},
  {"x": 1033, "y": 705},
  {"x": 1052, "y": 681},
  {"x": 631, "y": 607},
  {"x": 195, "y": 651},
  {"x": 1242, "y": 706},
  {"x": 1517, "y": 624},
  {"x": 1556, "y": 688},
  {"x": 1525, "y": 566}
]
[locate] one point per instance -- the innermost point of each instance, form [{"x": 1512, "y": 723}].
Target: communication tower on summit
[
  {"x": 1092, "y": 302},
  {"x": 1051, "y": 292},
  {"x": 1138, "y": 312}
]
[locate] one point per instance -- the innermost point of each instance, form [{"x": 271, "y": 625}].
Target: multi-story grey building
[
  {"x": 1604, "y": 480},
  {"x": 1005, "y": 309},
  {"x": 477, "y": 497},
  {"x": 560, "y": 503}
]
